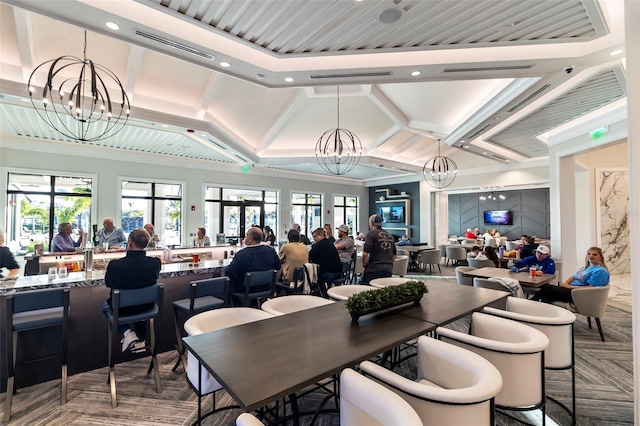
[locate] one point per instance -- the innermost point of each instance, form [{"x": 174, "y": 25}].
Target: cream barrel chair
[
  {"x": 212, "y": 321},
  {"x": 365, "y": 402},
  {"x": 516, "y": 350},
  {"x": 459, "y": 254},
  {"x": 430, "y": 257},
  {"x": 557, "y": 324},
  {"x": 343, "y": 292},
  {"x": 293, "y": 303},
  {"x": 400, "y": 266},
  {"x": 477, "y": 263},
  {"x": 461, "y": 277},
  {"x": 453, "y": 386},
  {"x": 590, "y": 302}
]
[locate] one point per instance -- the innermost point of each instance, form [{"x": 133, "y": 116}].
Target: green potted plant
[{"x": 384, "y": 298}]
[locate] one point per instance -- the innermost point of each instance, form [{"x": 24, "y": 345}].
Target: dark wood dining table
[
  {"x": 261, "y": 362},
  {"x": 523, "y": 277},
  {"x": 414, "y": 252}
]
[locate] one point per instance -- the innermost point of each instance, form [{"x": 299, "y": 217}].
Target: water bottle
[{"x": 501, "y": 252}]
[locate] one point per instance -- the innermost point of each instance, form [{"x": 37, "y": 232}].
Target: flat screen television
[
  {"x": 498, "y": 217},
  {"x": 392, "y": 214}
]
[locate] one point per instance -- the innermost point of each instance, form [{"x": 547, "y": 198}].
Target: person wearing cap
[
  {"x": 379, "y": 251},
  {"x": 345, "y": 244},
  {"x": 541, "y": 260},
  {"x": 404, "y": 241}
]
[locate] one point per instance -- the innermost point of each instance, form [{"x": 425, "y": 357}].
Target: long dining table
[
  {"x": 261, "y": 362},
  {"x": 523, "y": 277}
]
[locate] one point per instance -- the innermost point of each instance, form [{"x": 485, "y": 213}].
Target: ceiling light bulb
[
  {"x": 288, "y": 79},
  {"x": 616, "y": 52},
  {"x": 225, "y": 64},
  {"x": 112, "y": 25},
  {"x": 415, "y": 73}
]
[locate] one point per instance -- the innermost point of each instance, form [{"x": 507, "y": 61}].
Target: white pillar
[{"x": 562, "y": 200}]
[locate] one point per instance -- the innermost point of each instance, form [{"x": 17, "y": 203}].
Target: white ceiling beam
[
  {"x": 24, "y": 34},
  {"x": 209, "y": 92},
  {"x": 280, "y": 123},
  {"x": 132, "y": 70},
  {"x": 413, "y": 140},
  {"x": 388, "y": 107}
]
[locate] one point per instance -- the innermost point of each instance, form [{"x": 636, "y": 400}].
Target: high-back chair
[
  {"x": 202, "y": 295},
  {"x": 365, "y": 402},
  {"x": 453, "y": 386},
  {"x": 557, "y": 324},
  {"x": 516, "y": 350},
  {"x": 430, "y": 257},
  {"x": 477, "y": 263},
  {"x": 258, "y": 285},
  {"x": 152, "y": 296},
  {"x": 463, "y": 279},
  {"x": 31, "y": 310},
  {"x": 198, "y": 378},
  {"x": 457, "y": 254},
  {"x": 400, "y": 266},
  {"x": 293, "y": 303},
  {"x": 295, "y": 286}
]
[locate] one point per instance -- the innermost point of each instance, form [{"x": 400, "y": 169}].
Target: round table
[
  {"x": 388, "y": 281},
  {"x": 343, "y": 292}
]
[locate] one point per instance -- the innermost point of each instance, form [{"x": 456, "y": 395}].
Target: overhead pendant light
[
  {"x": 338, "y": 150},
  {"x": 440, "y": 171},
  {"x": 76, "y": 100}
]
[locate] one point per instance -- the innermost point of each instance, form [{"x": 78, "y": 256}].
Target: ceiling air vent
[
  {"x": 486, "y": 126},
  {"x": 480, "y": 69},
  {"x": 359, "y": 75},
  {"x": 175, "y": 45},
  {"x": 528, "y": 98},
  {"x": 498, "y": 157},
  {"x": 217, "y": 144}
]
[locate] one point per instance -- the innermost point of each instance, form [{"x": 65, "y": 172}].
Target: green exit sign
[{"x": 598, "y": 133}]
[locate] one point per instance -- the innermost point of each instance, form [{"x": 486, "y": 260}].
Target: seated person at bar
[
  {"x": 594, "y": 273},
  {"x": 62, "y": 241},
  {"x": 135, "y": 270},
  {"x": 7, "y": 260},
  {"x": 202, "y": 240},
  {"x": 329, "y": 233},
  {"x": 325, "y": 254},
  {"x": 110, "y": 234},
  {"x": 529, "y": 248},
  {"x": 254, "y": 257},
  {"x": 303, "y": 238},
  {"x": 268, "y": 236},
  {"x": 470, "y": 234},
  {"x": 404, "y": 241},
  {"x": 293, "y": 255},
  {"x": 541, "y": 260},
  {"x": 154, "y": 240},
  {"x": 345, "y": 244}
]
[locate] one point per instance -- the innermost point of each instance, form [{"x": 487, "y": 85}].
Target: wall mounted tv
[
  {"x": 498, "y": 217},
  {"x": 392, "y": 214}
]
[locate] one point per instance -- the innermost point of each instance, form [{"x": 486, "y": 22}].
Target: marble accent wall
[{"x": 613, "y": 218}]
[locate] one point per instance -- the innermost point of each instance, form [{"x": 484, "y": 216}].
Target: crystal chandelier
[
  {"x": 338, "y": 150},
  {"x": 81, "y": 107},
  {"x": 440, "y": 171}
]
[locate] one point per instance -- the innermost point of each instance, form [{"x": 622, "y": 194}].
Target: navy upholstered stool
[
  {"x": 30, "y": 310},
  {"x": 151, "y": 295}
]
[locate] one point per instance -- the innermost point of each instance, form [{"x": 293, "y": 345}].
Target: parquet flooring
[{"x": 604, "y": 377}]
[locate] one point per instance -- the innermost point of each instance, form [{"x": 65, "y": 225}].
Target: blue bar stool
[
  {"x": 203, "y": 295},
  {"x": 152, "y": 295},
  {"x": 30, "y": 310}
]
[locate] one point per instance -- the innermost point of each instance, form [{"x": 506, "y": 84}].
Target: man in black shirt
[
  {"x": 379, "y": 251},
  {"x": 325, "y": 254}
]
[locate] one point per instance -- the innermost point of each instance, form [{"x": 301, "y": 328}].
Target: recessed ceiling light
[
  {"x": 484, "y": 153},
  {"x": 465, "y": 146},
  {"x": 415, "y": 73},
  {"x": 112, "y": 25},
  {"x": 288, "y": 79},
  {"x": 260, "y": 76},
  {"x": 165, "y": 125},
  {"x": 225, "y": 64},
  {"x": 616, "y": 52}
]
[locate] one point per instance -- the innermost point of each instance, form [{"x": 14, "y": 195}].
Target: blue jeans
[{"x": 139, "y": 327}]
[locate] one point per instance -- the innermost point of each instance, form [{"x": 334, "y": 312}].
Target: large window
[
  {"x": 38, "y": 203},
  {"x": 156, "y": 203},
  {"x": 345, "y": 211},
  {"x": 230, "y": 211},
  {"x": 306, "y": 210}
]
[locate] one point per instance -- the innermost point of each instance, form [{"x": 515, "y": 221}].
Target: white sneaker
[
  {"x": 139, "y": 346},
  {"x": 130, "y": 338}
]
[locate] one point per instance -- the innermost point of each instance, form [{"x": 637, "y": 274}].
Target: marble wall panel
[{"x": 612, "y": 217}]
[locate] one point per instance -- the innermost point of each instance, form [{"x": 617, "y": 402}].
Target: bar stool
[
  {"x": 31, "y": 310},
  {"x": 151, "y": 295},
  {"x": 203, "y": 295}
]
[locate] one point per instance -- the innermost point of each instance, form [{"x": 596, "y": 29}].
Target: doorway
[{"x": 238, "y": 216}]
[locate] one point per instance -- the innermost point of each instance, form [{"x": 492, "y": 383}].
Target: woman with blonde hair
[{"x": 594, "y": 273}]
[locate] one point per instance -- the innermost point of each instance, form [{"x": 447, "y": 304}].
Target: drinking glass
[
  {"x": 105, "y": 246},
  {"x": 52, "y": 273},
  {"x": 532, "y": 271},
  {"x": 196, "y": 258},
  {"x": 62, "y": 272}
]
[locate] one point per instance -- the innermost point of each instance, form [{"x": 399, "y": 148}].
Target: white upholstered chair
[
  {"x": 516, "y": 350},
  {"x": 343, "y": 292},
  {"x": 293, "y": 303},
  {"x": 557, "y": 324},
  {"x": 477, "y": 263},
  {"x": 487, "y": 283},
  {"x": 430, "y": 257},
  {"x": 387, "y": 281},
  {"x": 461, "y": 277},
  {"x": 365, "y": 402},
  {"x": 400, "y": 266},
  {"x": 453, "y": 386},
  {"x": 459, "y": 254},
  {"x": 590, "y": 302},
  {"x": 246, "y": 419},
  {"x": 211, "y": 321}
]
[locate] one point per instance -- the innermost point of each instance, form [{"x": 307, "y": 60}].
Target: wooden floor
[{"x": 604, "y": 376}]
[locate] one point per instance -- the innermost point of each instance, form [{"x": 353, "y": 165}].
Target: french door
[{"x": 238, "y": 216}]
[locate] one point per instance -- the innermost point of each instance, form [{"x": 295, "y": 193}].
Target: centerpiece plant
[{"x": 378, "y": 299}]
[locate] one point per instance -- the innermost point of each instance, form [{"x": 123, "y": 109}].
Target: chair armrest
[{"x": 590, "y": 301}]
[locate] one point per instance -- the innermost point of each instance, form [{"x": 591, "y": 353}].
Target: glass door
[{"x": 238, "y": 216}]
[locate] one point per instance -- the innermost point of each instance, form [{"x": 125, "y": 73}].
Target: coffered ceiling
[{"x": 493, "y": 76}]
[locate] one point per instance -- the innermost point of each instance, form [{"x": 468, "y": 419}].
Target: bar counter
[{"x": 88, "y": 344}]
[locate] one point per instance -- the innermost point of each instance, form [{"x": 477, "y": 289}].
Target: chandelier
[
  {"x": 80, "y": 107},
  {"x": 440, "y": 171},
  {"x": 338, "y": 150},
  {"x": 491, "y": 195}
]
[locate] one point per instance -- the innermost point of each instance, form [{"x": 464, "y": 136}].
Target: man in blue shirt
[
  {"x": 541, "y": 260},
  {"x": 254, "y": 257}
]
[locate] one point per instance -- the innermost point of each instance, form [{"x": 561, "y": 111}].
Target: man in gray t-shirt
[
  {"x": 379, "y": 251},
  {"x": 345, "y": 244}
]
